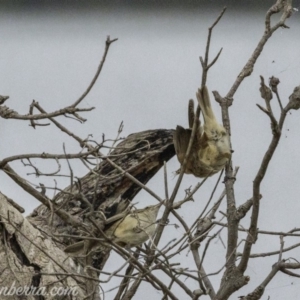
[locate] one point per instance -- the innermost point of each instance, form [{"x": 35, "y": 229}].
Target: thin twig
[{"x": 107, "y": 45}]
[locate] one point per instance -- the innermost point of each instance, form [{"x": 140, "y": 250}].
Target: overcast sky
[{"x": 51, "y": 53}]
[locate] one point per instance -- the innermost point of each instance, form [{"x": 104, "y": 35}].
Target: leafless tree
[{"x": 32, "y": 249}]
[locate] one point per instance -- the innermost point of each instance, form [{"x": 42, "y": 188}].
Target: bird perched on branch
[
  {"x": 211, "y": 147},
  {"x": 132, "y": 230}
]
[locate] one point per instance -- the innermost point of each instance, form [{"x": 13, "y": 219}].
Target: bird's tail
[
  {"x": 84, "y": 248},
  {"x": 75, "y": 249},
  {"x": 205, "y": 105}
]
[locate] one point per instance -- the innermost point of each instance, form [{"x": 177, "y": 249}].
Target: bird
[
  {"x": 211, "y": 148},
  {"x": 132, "y": 230}
]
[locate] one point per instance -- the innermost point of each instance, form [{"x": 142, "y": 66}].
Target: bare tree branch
[{"x": 281, "y": 5}]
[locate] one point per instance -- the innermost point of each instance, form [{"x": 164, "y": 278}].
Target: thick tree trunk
[{"x": 33, "y": 244}]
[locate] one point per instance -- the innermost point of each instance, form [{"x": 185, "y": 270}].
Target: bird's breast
[
  {"x": 212, "y": 158},
  {"x": 135, "y": 230}
]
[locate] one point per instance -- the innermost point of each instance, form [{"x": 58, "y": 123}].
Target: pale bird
[
  {"x": 133, "y": 230},
  {"x": 211, "y": 147}
]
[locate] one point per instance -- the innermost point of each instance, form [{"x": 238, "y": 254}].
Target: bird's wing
[
  {"x": 110, "y": 231},
  {"x": 181, "y": 139},
  {"x": 191, "y": 113}
]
